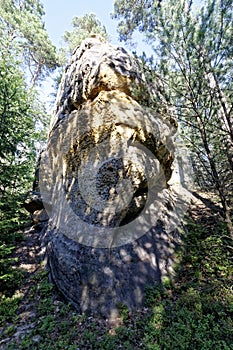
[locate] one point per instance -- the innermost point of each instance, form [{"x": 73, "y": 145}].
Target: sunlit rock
[{"x": 109, "y": 182}]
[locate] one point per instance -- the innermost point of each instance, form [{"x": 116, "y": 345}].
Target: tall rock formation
[{"x": 109, "y": 182}]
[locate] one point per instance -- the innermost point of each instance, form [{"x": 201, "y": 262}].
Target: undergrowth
[
  {"x": 12, "y": 220},
  {"x": 192, "y": 312}
]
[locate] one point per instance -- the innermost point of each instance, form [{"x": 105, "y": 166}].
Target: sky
[
  {"x": 59, "y": 14},
  {"x": 58, "y": 19}
]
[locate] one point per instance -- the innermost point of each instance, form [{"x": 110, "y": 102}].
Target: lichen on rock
[{"x": 107, "y": 183}]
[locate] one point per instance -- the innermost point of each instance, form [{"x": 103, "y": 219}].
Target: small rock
[
  {"x": 33, "y": 202},
  {"x": 40, "y": 216},
  {"x": 36, "y": 338}
]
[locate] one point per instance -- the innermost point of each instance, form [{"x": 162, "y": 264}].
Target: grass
[{"x": 192, "y": 312}]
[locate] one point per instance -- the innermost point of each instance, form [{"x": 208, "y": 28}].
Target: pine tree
[
  {"x": 83, "y": 27},
  {"x": 26, "y": 56},
  {"x": 193, "y": 55},
  {"x": 21, "y": 22}
]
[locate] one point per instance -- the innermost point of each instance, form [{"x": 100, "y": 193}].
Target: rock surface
[
  {"x": 97, "y": 66},
  {"x": 107, "y": 182},
  {"x": 33, "y": 202}
]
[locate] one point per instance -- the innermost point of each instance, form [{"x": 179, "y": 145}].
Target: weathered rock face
[
  {"x": 96, "y": 67},
  {"x": 107, "y": 183}
]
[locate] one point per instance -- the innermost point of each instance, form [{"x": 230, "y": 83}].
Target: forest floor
[{"x": 195, "y": 310}]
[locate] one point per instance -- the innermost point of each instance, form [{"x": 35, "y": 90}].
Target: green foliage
[
  {"x": 8, "y": 308},
  {"x": 17, "y": 124},
  {"x": 23, "y": 31},
  {"x": 10, "y": 277},
  {"x": 198, "y": 312},
  {"x": 25, "y": 49},
  {"x": 124, "y": 312},
  {"x": 153, "y": 293},
  {"x": 84, "y": 27},
  {"x": 16, "y": 130},
  {"x": 193, "y": 56},
  {"x": 17, "y": 156},
  {"x": 195, "y": 311}
]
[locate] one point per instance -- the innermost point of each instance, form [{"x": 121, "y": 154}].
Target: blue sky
[
  {"x": 59, "y": 14},
  {"x": 58, "y": 18}
]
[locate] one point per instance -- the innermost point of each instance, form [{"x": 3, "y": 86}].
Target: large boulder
[{"x": 110, "y": 183}]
